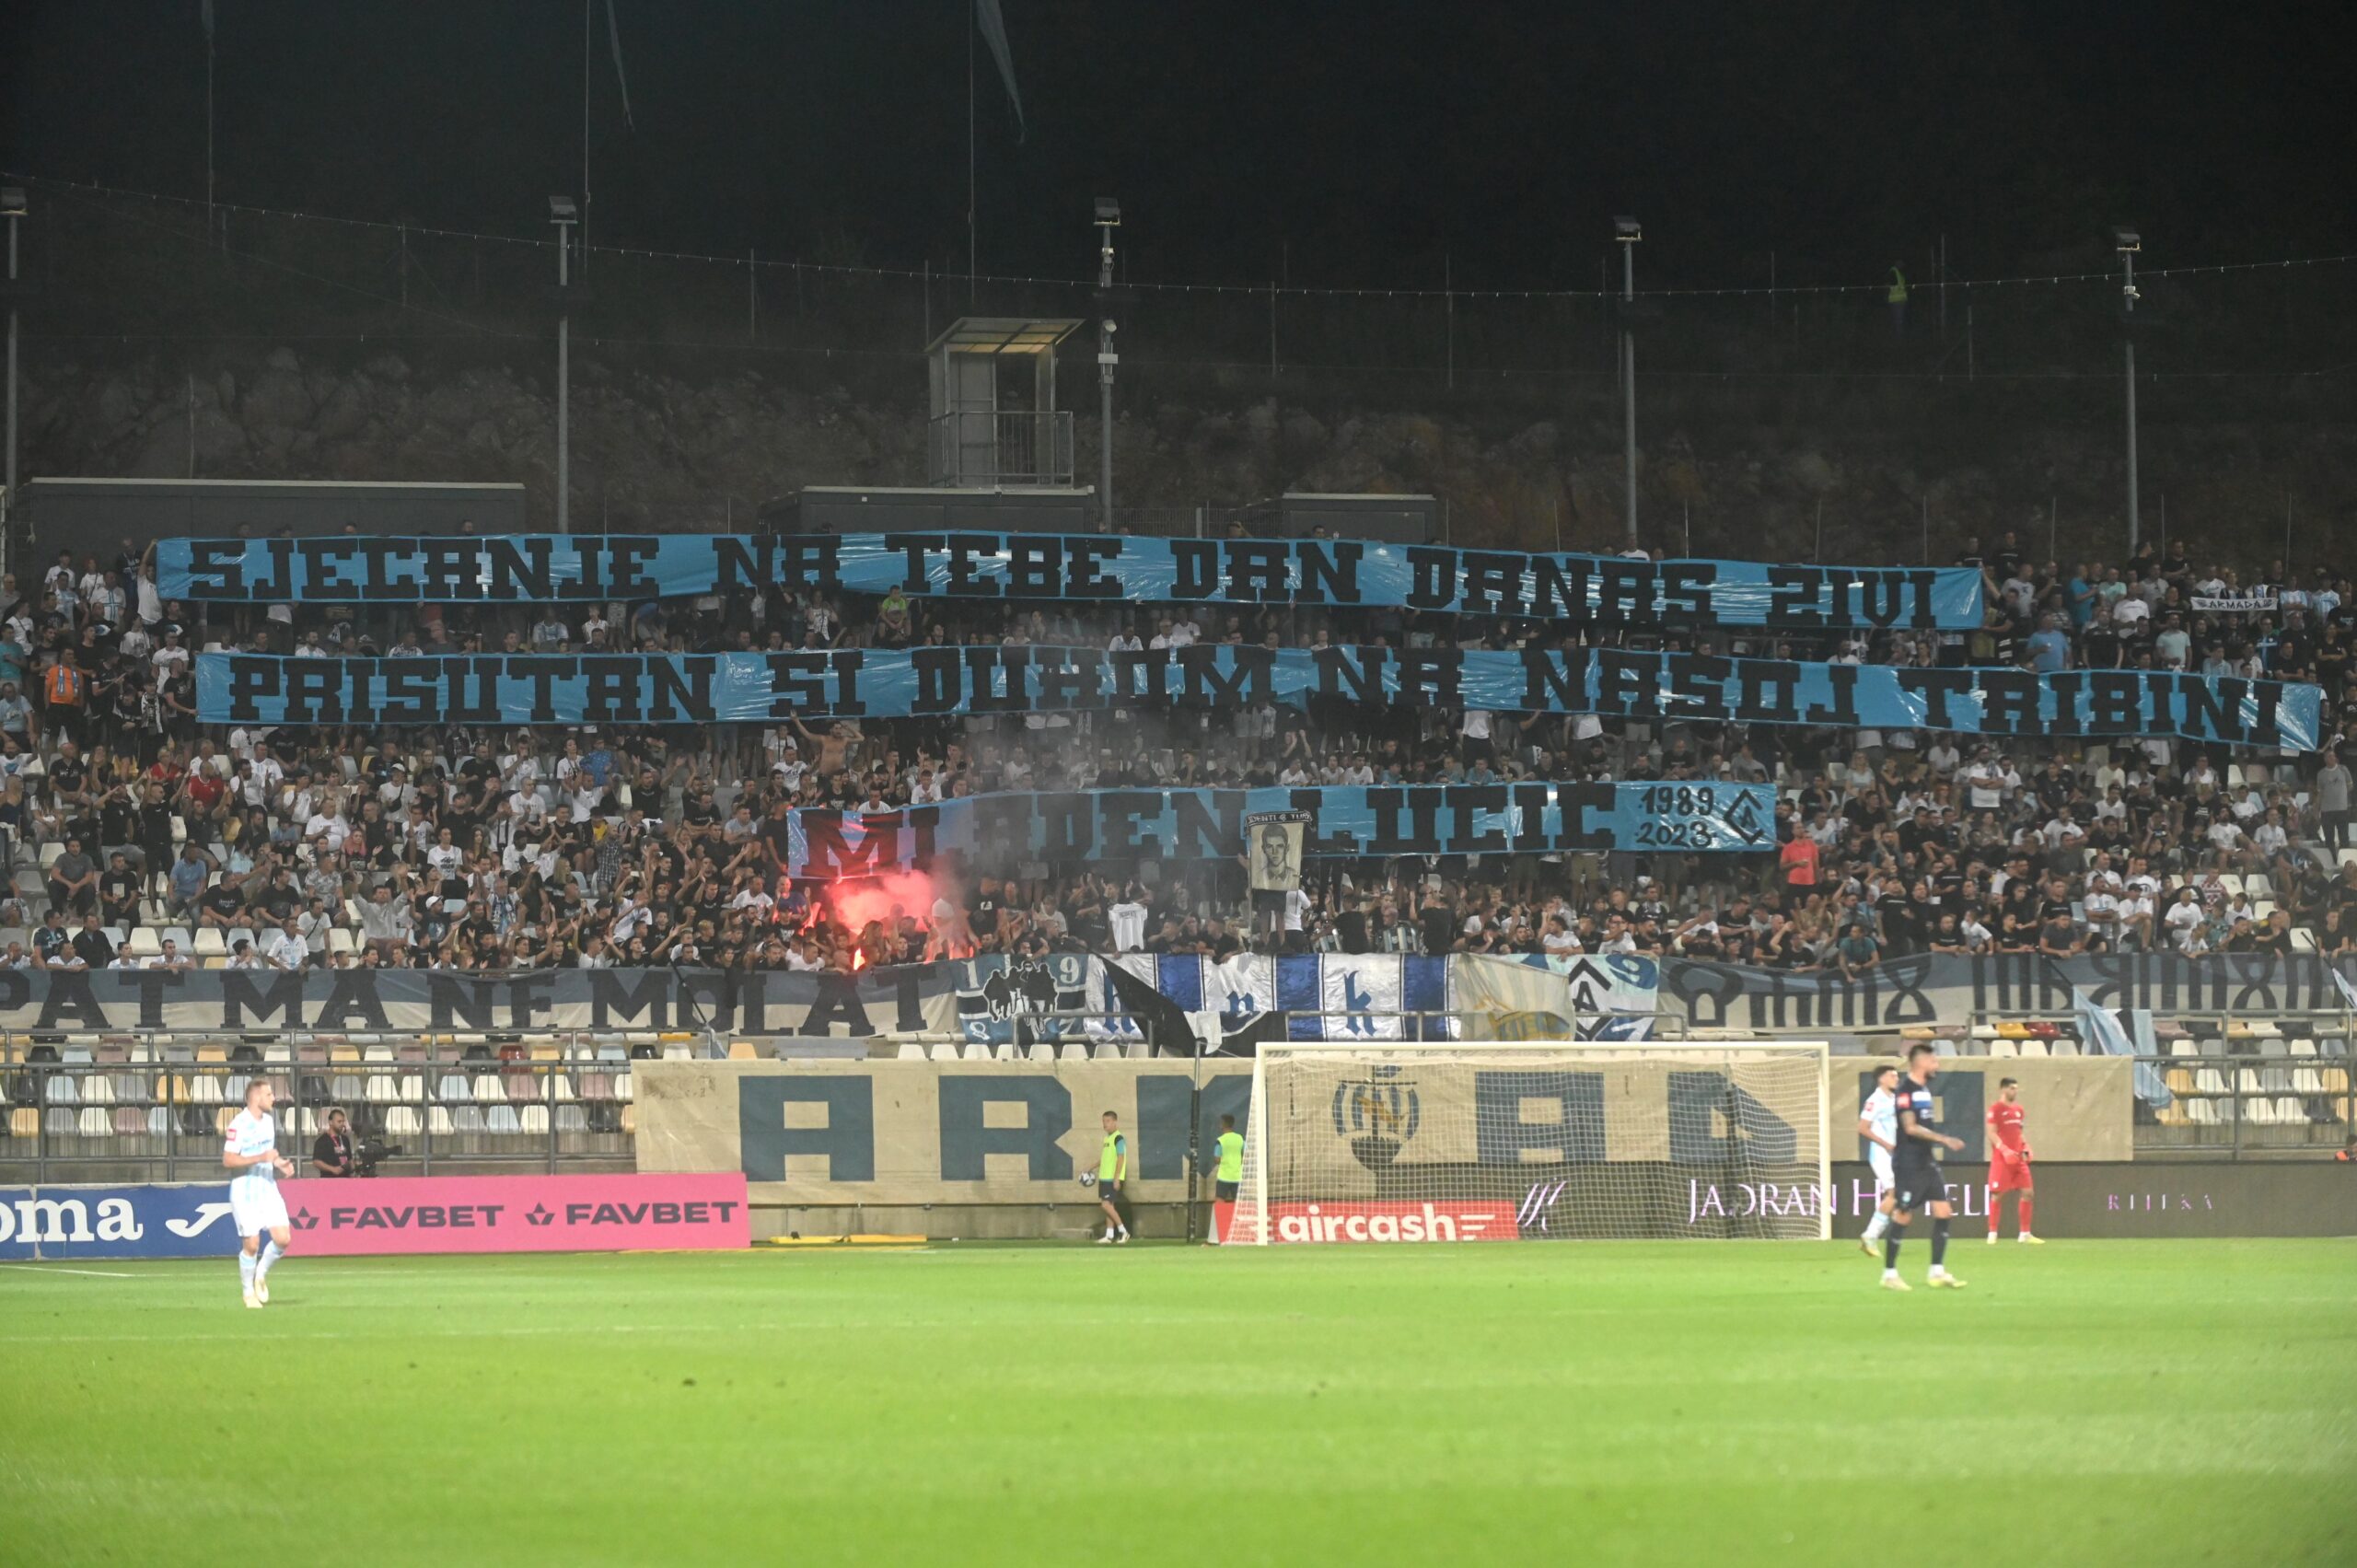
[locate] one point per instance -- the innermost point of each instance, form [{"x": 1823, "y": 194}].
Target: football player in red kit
[{"x": 2009, "y": 1158}]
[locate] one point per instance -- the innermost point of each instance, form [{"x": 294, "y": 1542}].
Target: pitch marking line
[{"x": 55, "y": 1269}]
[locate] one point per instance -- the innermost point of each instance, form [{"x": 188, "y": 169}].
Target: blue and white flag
[{"x": 2101, "y": 1030}]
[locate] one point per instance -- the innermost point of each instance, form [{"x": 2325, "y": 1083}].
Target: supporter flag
[
  {"x": 993, "y": 28},
  {"x": 1617, "y": 1026},
  {"x": 2101, "y": 1031},
  {"x": 2348, "y": 992}
]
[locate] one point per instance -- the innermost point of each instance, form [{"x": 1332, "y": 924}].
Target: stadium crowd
[{"x": 559, "y": 847}]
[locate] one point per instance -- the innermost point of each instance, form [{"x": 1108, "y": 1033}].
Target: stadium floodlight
[
  {"x": 1108, "y": 219},
  {"x": 1373, "y": 1140},
  {"x": 12, "y": 207},
  {"x": 1627, "y": 232},
  {"x": 2127, "y": 242},
  {"x": 563, "y": 214}
]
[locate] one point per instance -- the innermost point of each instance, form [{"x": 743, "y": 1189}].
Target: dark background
[{"x": 1327, "y": 144}]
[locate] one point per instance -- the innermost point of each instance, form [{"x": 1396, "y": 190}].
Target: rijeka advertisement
[{"x": 517, "y": 1214}]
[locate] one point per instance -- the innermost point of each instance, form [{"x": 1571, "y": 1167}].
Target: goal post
[{"x": 1507, "y": 1140}]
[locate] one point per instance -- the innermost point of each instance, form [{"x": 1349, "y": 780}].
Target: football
[{"x": 1088, "y": 1179}]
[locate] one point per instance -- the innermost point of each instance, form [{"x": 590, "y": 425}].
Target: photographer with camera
[{"x": 332, "y": 1155}]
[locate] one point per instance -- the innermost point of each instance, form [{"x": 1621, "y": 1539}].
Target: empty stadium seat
[
  {"x": 911, "y": 1052},
  {"x": 943, "y": 1050},
  {"x": 534, "y": 1120}
]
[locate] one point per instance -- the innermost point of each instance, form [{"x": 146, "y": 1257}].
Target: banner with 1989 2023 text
[
  {"x": 1032, "y": 567},
  {"x": 757, "y": 687}
]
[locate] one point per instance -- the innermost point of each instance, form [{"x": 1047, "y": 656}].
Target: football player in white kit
[
  {"x": 251, "y": 1150},
  {"x": 1879, "y": 1125}
]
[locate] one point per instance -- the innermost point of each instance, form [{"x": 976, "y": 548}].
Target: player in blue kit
[{"x": 1917, "y": 1180}]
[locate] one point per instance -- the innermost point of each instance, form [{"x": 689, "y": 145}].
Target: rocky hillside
[{"x": 657, "y": 447}]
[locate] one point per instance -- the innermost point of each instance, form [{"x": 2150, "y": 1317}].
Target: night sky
[{"x": 1346, "y": 144}]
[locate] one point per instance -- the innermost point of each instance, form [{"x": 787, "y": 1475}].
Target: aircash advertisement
[{"x": 372, "y": 1218}]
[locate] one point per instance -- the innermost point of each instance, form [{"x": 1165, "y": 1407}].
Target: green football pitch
[{"x": 2098, "y": 1403}]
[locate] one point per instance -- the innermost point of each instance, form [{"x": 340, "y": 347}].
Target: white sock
[
  {"x": 246, "y": 1261},
  {"x": 1876, "y": 1226},
  {"x": 271, "y": 1253},
  {"x": 1890, "y": 1273},
  {"x": 1937, "y": 1269}
]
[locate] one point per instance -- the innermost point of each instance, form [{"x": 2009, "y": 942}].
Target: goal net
[{"x": 1359, "y": 1141}]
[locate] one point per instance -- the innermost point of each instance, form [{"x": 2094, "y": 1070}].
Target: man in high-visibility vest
[
  {"x": 1229, "y": 1177},
  {"x": 1113, "y": 1171},
  {"x": 66, "y": 688},
  {"x": 1898, "y": 298}
]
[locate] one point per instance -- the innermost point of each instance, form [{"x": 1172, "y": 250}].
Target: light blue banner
[
  {"x": 1103, "y": 568},
  {"x": 700, "y": 689},
  {"x": 1212, "y": 824}
]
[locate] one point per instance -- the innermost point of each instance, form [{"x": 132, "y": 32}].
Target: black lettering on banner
[
  {"x": 1767, "y": 692},
  {"x": 1431, "y": 577},
  {"x": 1209, "y": 827},
  {"x": 1119, "y": 813},
  {"x": 1330, "y": 571},
  {"x": 2115, "y": 704},
  {"x": 1556, "y": 682},
  {"x": 351, "y": 1002},
  {"x": 242, "y": 994},
  {"x": 1559, "y": 589},
  {"x": 2008, "y": 703},
  {"x": 1083, "y": 568},
  {"x": 1470, "y": 801},
  {"x": 625, "y": 567},
  {"x": 216, "y": 568},
  {"x": 1256, "y": 571},
  {"x": 2213, "y": 709},
  {"x": 833, "y": 854},
  {"x": 1627, "y": 684},
  {"x": 1842, "y": 712},
  {"x": 459, "y": 1000},
  {"x": 630, "y": 998},
  {"x": 1246, "y": 684},
  {"x": 1698, "y": 685},
  {"x": 808, "y": 560},
  {"x": 1492, "y": 583},
  {"x": 67, "y": 1002},
  {"x": 1793, "y": 594},
  {"x": 1194, "y": 569},
  {"x": 1935, "y": 687},
  {"x": 1354, "y": 674},
  {"x": 966, "y": 566},
  {"x": 520, "y": 573},
  {"x": 837, "y": 1009},
  {"x": 917, "y": 549},
  {"x": 151, "y": 986},
  {"x": 1430, "y": 677},
  {"x": 798, "y": 681},
  {"x": 1685, "y": 589},
  {"x": 1625, "y": 591},
  {"x": 1034, "y": 567},
  {"x": 1577, "y": 800}
]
